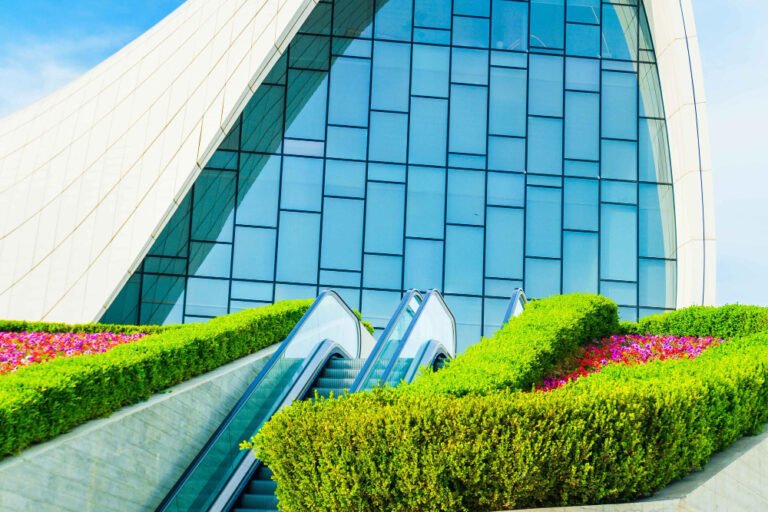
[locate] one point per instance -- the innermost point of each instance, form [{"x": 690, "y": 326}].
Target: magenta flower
[
  {"x": 627, "y": 350},
  {"x": 19, "y": 349}
]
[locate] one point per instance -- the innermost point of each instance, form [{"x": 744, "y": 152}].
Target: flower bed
[
  {"x": 20, "y": 349},
  {"x": 628, "y": 350}
]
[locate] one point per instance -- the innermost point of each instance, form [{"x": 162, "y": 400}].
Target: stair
[{"x": 337, "y": 376}]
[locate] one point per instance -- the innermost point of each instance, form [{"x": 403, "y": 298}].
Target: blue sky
[{"x": 46, "y": 43}]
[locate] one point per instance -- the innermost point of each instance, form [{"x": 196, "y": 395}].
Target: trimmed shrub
[
  {"x": 701, "y": 321},
  {"x": 523, "y": 352},
  {"x": 614, "y": 436},
  {"x": 57, "y": 327},
  {"x": 42, "y": 401}
]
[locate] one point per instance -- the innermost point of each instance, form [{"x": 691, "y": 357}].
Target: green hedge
[
  {"x": 42, "y": 401},
  {"x": 55, "y": 327},
  {"x": 524, "y": 351},
  {"x": 722, "y": 322},
  {"x": 616, "y": 436}
]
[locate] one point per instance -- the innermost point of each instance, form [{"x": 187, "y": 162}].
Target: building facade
[{"x": 280, "y": 148}]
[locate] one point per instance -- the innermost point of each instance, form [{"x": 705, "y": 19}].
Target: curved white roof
[{"x": 90, "y": 175}]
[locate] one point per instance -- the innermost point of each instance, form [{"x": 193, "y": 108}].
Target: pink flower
[
  {"x": 627, "y": 350},
  {"x": 18, "y": 349}
]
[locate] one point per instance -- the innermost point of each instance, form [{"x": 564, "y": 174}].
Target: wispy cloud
[{"x": 34, "y": 67}]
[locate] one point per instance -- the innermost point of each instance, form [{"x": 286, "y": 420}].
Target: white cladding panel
[
  {"x": 90, "y": 175},
  {"x": 679, "y": 61}
]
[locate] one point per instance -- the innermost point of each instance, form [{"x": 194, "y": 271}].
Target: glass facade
[{"x": 473, "y": 146}]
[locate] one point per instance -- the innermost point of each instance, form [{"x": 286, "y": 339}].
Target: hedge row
[
  {"x": 722, "y": 322},
  {"x": 523, "y": 352},
  {"x": 615, "y": 436},
  {"x": 57, "y": 327},
  {"x": 42, "y": 401}
]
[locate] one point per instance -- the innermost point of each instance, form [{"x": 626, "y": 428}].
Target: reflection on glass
[{"x": 466, "y": 146}]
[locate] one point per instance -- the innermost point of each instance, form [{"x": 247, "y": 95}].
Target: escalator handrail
[
  {"x": 251, "y": 389},
  {"x": 427, "y": 356},
  {"x": 305, "y": 377},
  {"x": 431, "y": 295},
  {"x": 518, "y": 297},
  {"x": 370, "y": 363}
]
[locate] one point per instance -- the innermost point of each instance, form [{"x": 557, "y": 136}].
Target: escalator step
[
  {"x": 263, "y": 473},
  {"x": 335, "y": 373},
  {"x": 346, "y": 364},
  {"x": 326, "y": 382},
  {"x": 261, "y": 487},
  {"x": 259, "y": 501}
]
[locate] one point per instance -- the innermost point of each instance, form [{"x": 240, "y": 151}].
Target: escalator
[{"x": 321, "y": 357}]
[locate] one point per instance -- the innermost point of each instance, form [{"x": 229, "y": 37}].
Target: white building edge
[{"x": 90, "y": 175}]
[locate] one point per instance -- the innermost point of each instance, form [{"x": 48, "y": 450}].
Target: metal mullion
[
  {"x": 563, "y": 146},
  {"x": 408, "y": 145},
  {"x": 447, "y": 150},
  {"x": 367, "y": 152},
  {"x": 487, "y": 153},
  {"x": 325, "y": 148}
]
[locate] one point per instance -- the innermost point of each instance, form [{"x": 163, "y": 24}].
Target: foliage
[
  {"x": 57, "y": 327},
  {"x": 614, "y": 436},
  {"x": 524, "y": 351},
  {"x": 701, "y": 321},
  {"x": 42, "y": 401},
  {"x": 630, "y": 349}
]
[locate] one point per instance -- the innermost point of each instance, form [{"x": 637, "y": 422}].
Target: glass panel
[
  {"x": 350, "y": 83},
  {"x": 581, "y": 205},
  {"x": 466, "y": 197},
  {"x": 468, "y": 312},
  {"x": 468, "y": 129},
  {"x": 426, "y": 202},
  {"x": 504, "y": 243},
  {"x": 506, "y": 189},
  {"x": 580, "y": 262},
  {"x": 386, "y": 209},
  {"x": 618, "y": 243},
  {"x": 548, "y": 23},
  {"x": 619, "y": 106},
  {"x": 391, "y": 76},
  {"x": 423, "y": 264},
  {"x": 430, "y": 70},
  {"x": 545, "y": 145},
  {"x": 214, "y": 201},
  {"x": 464, "y": 260},
  {"x": 620, "y": 32},
  {"x": 388, "y": 137},
  {"x": 383, "y": 272},
  {"x": 509, "y": 26},
  {"x": 545, "y": 97},
  {"x": 429, "y": 131},
  {"x": 298, "y": 247},
  {"x": 657, "y": 221},
  {"x": 508, "y": 105},
  {"x": 543, "y": 224},
  {"x": 542, "y": 278},
  {"x": 342, "y": 234},
  {"x": 472, "y": 32},
  {"x": 582, "y": 126}
]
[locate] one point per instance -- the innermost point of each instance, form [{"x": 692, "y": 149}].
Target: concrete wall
[
  {"x": 130, "y": 460},
  {"x": 734, "y": 480}
]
